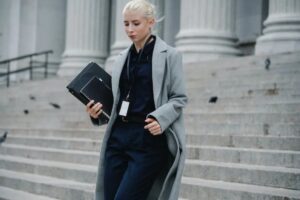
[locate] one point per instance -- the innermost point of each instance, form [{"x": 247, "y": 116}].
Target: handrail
[
  {"x": 25, "y": 56},
  {"x": 28, "y": 68}
]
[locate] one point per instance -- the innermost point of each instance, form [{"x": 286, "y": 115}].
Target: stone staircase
[{"x": 244, "y": 146}]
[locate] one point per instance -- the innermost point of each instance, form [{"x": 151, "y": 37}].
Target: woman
[{"x": 143, "y": 150}]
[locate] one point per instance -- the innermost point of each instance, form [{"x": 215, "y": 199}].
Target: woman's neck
[{"x": 139, "y": 46}]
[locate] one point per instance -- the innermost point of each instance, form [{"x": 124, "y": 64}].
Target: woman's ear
[{"x": 151, "y": 23}]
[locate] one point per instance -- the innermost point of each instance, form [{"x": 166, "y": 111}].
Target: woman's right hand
[{"x": 94, "y": 110}]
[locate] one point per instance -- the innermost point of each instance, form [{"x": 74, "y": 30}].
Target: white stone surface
[
  {"x": 30, "y": 26},
  {"x": 207, "y": 29},
  {"x": 171, "y": 19},
  {"x": 86, "y": 35},
  {"x": 249, "y": 19},
  {"x": 121, "y": 40},
  {"x": 282, "y": 28}
]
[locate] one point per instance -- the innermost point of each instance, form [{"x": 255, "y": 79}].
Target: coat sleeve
[{"x": 177, "y": 98}]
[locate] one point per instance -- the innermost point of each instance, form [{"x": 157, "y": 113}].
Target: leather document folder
[{"x": 93, "y": 83}]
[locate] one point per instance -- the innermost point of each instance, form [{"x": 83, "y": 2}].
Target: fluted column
[
  {"x": 207, "y": 29},
  {"x": 86, "y": 35},
  {"x": 282, "y": 28},
  {"x": 121, "y": 40}
]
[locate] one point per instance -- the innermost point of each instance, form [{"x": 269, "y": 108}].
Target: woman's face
[{"x": 137, "y": 27}]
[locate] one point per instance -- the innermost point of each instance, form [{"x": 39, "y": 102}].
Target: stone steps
[
  {"x": 57, "y": 169},
  {"x": 241, "y": 72},
  {"x": 264, "y": 96},
  {"x": 205, "y": 88},
  {"x": 244, "y": 93},
  {"x": 279, "y": 177},
  {"x": 242, "y": 69},
  {"x": 224, "y": 104},
  {"x": 245, "y": 63},
  {"x": 51, "y": 154},
  {"x": 219, "y": 106},
  {"x": 256, "y": 75},
  {"x": 11, "y": 194},
  {"x": 258, "y": 129},
  {"x": 91, "y": 133},
  {"x": 244, "y": 108},
  {"x": 246, "y": 141},
  {"x": 10, "y": 123},
  {"x": 47, "y": 186},
  {"x": 245, "y": 146},
  {"x": 207, "y": 108},
  {"x": 83, "y": 144},
  {"x": 242, "y": 118},
  {"x": 280, "y": 158},
  {"x": 196, "y": 188},
  {"x": 68, "y": 171},
  {"x": 287, "y": 158},
  {"x": 194, "y": 101},
  {"x": 240, "y": 63},
  {"x": 191, "y": 116},
  {"x": 66, "y": 100},
  {"x": 246, "y": 85},
  {"x": 243, "y": 141}
]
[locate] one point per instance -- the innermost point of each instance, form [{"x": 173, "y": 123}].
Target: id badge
[{"x": 124, "y": 108}]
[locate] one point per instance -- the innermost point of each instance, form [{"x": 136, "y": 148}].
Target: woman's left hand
[{"x": 153, "y": 126}]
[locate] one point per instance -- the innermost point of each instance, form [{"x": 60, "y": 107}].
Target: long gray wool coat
[{"x": 169, "y": 98}]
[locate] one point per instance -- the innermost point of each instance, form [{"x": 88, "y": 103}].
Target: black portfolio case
[{"x": 93, "y": 82}]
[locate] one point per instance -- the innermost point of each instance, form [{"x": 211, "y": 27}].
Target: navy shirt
[{"x": 140, "y": 79}]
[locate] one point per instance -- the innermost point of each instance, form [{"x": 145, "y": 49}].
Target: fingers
[
  {"x": 155, "y": 131},
  {"x": 89, "y": 105},
  {"x": 153, "y": 127},
  {"x": 94, "y": 110},
  {"x": 148, "y": 120}
]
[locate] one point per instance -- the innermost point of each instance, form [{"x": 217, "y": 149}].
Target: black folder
[{"x": 93, "y": 83}]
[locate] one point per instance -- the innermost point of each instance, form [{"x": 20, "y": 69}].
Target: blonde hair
[{"x": 143, "y": 5}]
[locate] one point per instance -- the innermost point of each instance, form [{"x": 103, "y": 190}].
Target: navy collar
[{"x": 148, "y": 49}]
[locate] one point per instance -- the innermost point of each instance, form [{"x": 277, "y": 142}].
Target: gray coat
[{"x": 169, "y": 98}]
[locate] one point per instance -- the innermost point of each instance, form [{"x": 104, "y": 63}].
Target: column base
[
  {"x": 281, "y": 35},
  {"x": 274, "y": 43},
  {"x": 206, "y": 46}
]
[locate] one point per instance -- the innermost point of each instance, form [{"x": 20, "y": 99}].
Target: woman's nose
[{"x": 130, "y": 28}]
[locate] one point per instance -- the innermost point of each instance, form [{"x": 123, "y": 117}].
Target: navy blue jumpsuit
[{"x": 134, "y": 157}]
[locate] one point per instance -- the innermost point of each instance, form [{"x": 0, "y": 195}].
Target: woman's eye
[{"x": 136, "y": 24}]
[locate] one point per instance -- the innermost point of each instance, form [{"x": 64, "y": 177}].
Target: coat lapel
[
  {"x": 158, "y": 67},
  {"x": 118, "y": 65}
]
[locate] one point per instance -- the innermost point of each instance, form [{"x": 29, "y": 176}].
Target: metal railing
[{"x": 28, "y": 68}]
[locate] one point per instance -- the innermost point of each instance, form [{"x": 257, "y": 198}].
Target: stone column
[
  {"x": 171, "y": 21},
  {"x": 160, "y": 9},
  {"x": 207, "y": 29},
  {"x": 282, "y": 28},
  {"x": 121, "y": 40},
  {"x": 86, "y": 35}
]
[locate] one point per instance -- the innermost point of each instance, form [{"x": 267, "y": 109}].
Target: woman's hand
[
  {"x": 94, "y": 110},
  {"x": 153, "y": 126}
]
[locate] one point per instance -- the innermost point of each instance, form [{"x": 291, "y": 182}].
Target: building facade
[{"x": 79, "y": 31}]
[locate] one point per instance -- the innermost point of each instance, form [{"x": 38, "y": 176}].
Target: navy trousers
[{"x": 133, "y": 159}]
